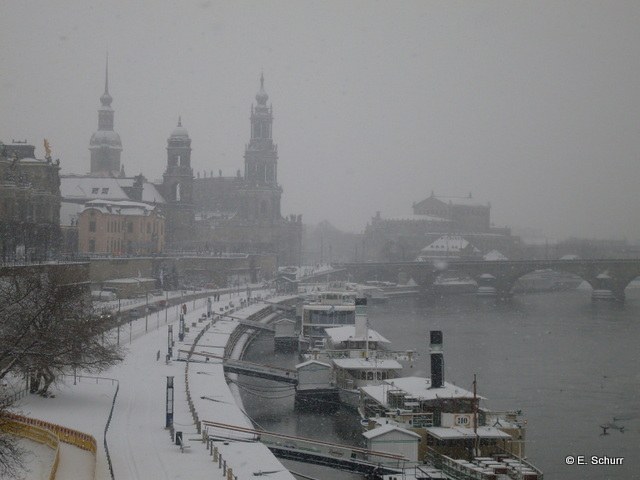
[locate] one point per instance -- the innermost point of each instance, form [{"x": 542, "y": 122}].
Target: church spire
[
  {"x": 261, "y": 155},
  {"x": 105, "y": 144},
  {"x": 106, "y": 98},
  {"x": 261, "y": 96}
]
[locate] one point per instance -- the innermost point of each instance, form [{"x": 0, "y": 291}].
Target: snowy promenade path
[{"x": 139, "y": 445}]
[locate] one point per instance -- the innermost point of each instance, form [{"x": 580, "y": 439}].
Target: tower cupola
[
  {"x": 262, "y": 96},
  {"x": 105, "y": 144}
]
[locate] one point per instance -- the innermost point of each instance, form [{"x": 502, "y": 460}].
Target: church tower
[
  {"x": 178, "y": 178},
  {"x": 177, "y": 189},
  {"x": 261, "y": 199},
  {"x": 105, "y": 145},
  {"x": 261, "y": 155}
]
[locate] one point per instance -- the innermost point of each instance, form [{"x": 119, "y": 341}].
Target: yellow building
[{"x": 121, "y": 227}]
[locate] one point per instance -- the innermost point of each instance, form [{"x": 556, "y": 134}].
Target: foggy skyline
[{"x": 532, "y": 106}]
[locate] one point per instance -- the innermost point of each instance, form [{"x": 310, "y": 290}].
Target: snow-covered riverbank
[{"x": 139, "y": 444}]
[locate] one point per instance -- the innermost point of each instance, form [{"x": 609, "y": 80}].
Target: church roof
[
  {"x": 179, "y": 131},
  {"x": 91, "y": 187},
  {"x": 105, "y": 137},
  {"x": 468, "y": 201},
  {"x": 85, "y": 188}
]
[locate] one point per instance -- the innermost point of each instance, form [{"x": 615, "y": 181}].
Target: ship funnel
[
  {"x": 361, "y": 330},
  {"x": 437, "y": 359}
]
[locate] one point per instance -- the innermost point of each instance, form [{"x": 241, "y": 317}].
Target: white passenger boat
[
  {"x": 359, "y": 356},
  {"x": 457, "y": 437},
  {"x": 325, "y": 309}
]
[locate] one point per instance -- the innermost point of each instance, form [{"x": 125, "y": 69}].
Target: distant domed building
[{"x": 452, "y": 227}]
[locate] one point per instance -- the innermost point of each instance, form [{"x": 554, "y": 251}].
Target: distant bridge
[{"x": 607, "y": 277}]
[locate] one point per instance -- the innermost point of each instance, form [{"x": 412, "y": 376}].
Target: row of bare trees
[{"x": 47, "y": 329}]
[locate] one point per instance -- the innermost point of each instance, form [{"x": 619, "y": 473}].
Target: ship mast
[{"x": 475, "y": 415}]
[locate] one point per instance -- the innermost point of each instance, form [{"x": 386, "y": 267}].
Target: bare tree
[
  {"x": 48, "y": 329},
  {"x": 12, "y": 454}
]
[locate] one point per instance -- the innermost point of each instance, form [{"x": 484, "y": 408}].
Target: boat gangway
[
  {"x": 251, "y": 369},
  {"x": 317, "y": 452},
  {"x": 249, "y": 323}
]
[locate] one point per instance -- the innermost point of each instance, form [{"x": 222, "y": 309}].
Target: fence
[
  {"x": 73, "y": 437},
  {"x": 14, "y": 425}
]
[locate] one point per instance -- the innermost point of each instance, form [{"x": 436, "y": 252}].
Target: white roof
[
  {"x": 448, "y": 243},
  {"x": 417, "y": 387},
  {"x": 494, "y": 255},
  {"x": 149, "y": 191},
  {"x": 120, "y": 207},
  {"x": 367, "y": 364},
  {"x": 309, "y": 362},
  {"x": 421, "y": 218},
  {"x": 92, "y": 187},
  {"x": 85, "y": 187},
  {"x": 451, "y": 433},
  {"x": 465, "y": 201},
  {"x": 348, "y": 332},
  {"x": 376, "y": 432}
]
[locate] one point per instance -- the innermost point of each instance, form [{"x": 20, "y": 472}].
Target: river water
[{"x": 568, "y": 363}]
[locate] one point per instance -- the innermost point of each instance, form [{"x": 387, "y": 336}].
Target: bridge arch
[{"x": 608, "y": 277}]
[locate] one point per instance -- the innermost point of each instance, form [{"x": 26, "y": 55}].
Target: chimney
[{"x": 437, "y": 359}]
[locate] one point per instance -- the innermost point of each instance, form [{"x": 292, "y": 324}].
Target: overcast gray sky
[{"x": 533, "y": 106}]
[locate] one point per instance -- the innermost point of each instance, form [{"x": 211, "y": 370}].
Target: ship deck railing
[
  {"x": 379, "y": 354},
  {"x": 481, "y": 469}
]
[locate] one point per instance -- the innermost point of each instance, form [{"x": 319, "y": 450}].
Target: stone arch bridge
[{"x": 607, "y": 277}]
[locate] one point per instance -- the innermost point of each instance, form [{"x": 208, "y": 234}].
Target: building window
[
  {"x": 130, "y": 227},
  {"x": 105, "y": 190},
  {"x": 95, "y": 191},
  {"x": 148, "y": 228},
  {"x": 92, "y": 245},
  {"x": 92, "y": 225}
]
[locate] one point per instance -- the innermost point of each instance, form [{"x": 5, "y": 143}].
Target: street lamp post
[
  {"x": 166, "y": 307},
  {"x": 119, "y": 318},
  {"x": 146, "y": 312},
  {"x": 169, "y": 405}
]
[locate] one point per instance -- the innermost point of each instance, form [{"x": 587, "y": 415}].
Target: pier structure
[{"x": 314, "y": 387}]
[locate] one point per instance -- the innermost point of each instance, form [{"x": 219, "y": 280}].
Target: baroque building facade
[
  {"x": 437, "y": 219},
  {"x": 29, "y": 203},
  {"x": 120, "y": 227}
]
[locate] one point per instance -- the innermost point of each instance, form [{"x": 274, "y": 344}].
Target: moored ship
[
  {"x": 456, "y": 436},
  {"x": 325, "y": 309},
  {"x": 359, "y": 356}
]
